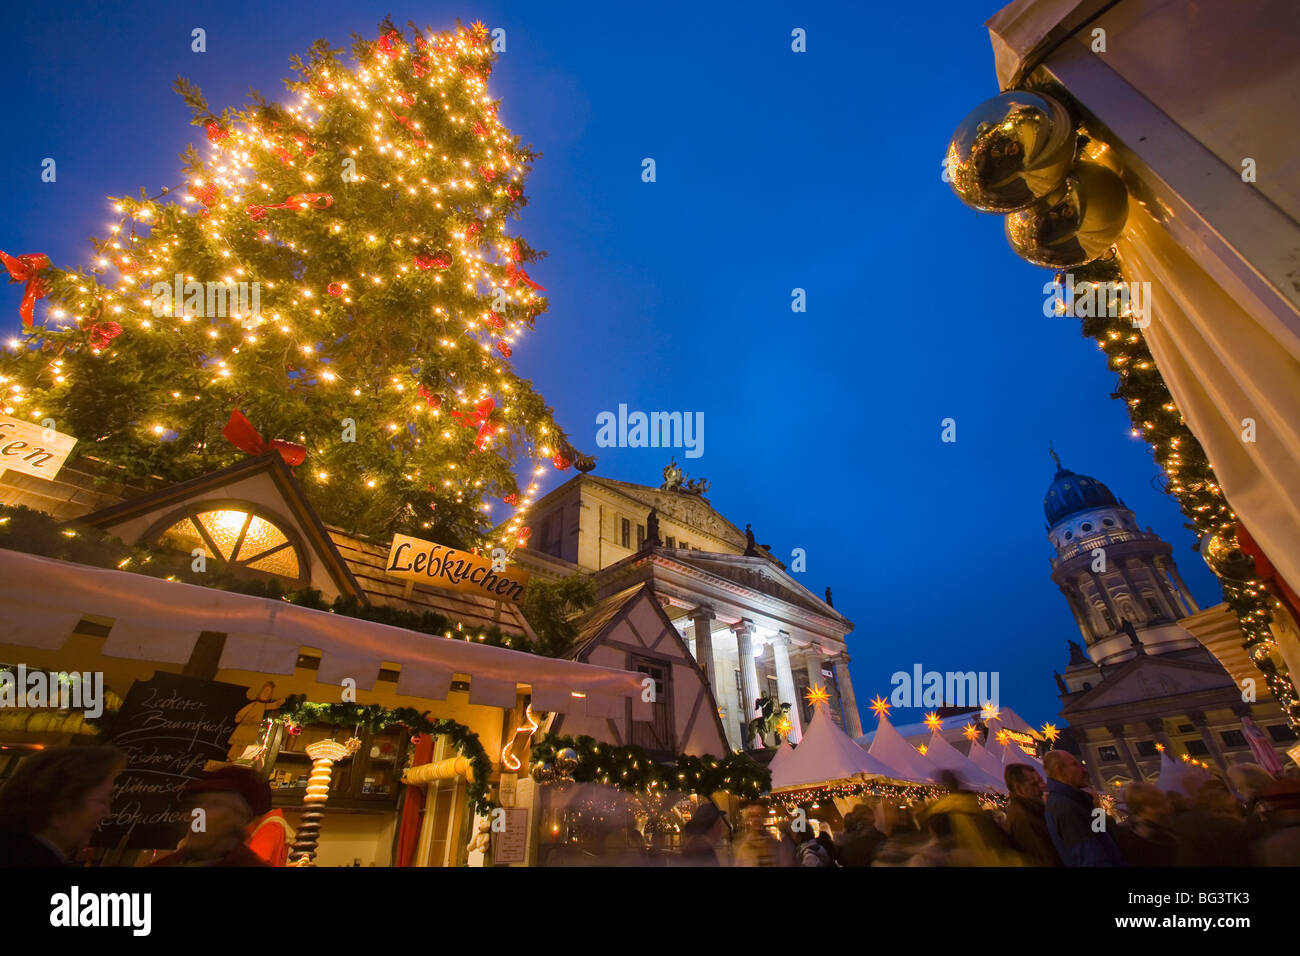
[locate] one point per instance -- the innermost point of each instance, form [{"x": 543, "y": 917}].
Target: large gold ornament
[
  {"x": 1075, "y": 224},
  {"x": 1011, "y": 151},
  {"x": 1224, "y": 556}
]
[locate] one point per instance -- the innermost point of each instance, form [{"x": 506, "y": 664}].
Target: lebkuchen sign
[
  {"x": 443, "y": 567},
  {"x": 32, "y": 449}
]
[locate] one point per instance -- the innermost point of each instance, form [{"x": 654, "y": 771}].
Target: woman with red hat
[{"x": 224, "y": 803}]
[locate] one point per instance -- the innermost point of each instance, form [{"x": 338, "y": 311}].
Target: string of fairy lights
[
  {"x": 1191, "y": 478},
  {"x": 414, "y": 118}
]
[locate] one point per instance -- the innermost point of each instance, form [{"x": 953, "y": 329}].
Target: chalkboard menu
[{"x": 170, "y": 727}]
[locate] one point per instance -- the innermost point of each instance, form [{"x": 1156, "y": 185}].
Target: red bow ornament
[
  {"x": 389, "y": 44},
  {"x": 26, "y": 269},
  {"x": 504, "y": 348},
  {"x": 430, "y": 399},
  {"x": 102, "y": 333},
  {"x": 239, "y": 431},
  {"x": 299, "y": 201},
  {"x": 432, "y": 262},
  {"x": 480, "y": 419},
  {"x": 515, "y": 274}
]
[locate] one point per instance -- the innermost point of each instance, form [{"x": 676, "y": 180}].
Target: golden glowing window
[{"x": 236, "y": 537}]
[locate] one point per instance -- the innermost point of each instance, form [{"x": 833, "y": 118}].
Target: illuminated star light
[
  {"x": 990, "y": 712},
  {"x": 880, "y": 706},
  {"x": 817, "y": 695},
  {"x": 932, "y": 720},
  {"x": 1050, "y": 732},
  {"x": 971, "y": 731}
]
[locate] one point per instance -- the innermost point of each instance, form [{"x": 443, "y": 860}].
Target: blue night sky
[{"x": 776, "y": 170}]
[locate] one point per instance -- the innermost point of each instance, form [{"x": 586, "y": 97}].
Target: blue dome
[{"x": 1070, "y": 493}]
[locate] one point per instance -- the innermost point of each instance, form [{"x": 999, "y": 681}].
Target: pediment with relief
[{"x": 1152, "y": 678}]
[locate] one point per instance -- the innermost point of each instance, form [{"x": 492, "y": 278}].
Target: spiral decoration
[{"x": 324, "y": 754}]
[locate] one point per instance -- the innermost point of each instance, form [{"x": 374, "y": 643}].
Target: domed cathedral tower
[{"x": 1121, "y": 582}]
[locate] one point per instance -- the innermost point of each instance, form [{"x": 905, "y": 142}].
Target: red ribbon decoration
[
  {"x": 26, "y": 269},
  {"x": 487, "y": 172},
  {"x": 423, "y": 264},
  {"x": 102, "y": 333},
  {"x": 406, "y": 121},
  {"x": 478, "y": 128},
  {"x": 215, "y": 133},
  {"x": 301, "y": 200},
  {"x": 494, "y": 320},
  {"x": 471, "y": 231},
  {"x": 482, "y": 412},
  {"x": 515, "y": 274},
  {"x": 479, "y": 418},
  {"x": 1267, "y": 573},
  {"x": 430, "y": 399},
  {"x": 239, "y": 431},
  {"x": 386, "y": 45},
  {"x": 420, "y": 65},
  {"x": 504, "y": 348}
]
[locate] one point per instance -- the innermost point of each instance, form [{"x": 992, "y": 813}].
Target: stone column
[
  {"x": 1104, "y": 593},
  {"x": 1187, "y": 594},
  {"x": 701, "y": 623},
  {"x": 748, "y": 676},
  {"x": 1198, "y": 720},
  {"x": 852, "y": 721},
  {"x": 1121, "y": 744},
  {"x": 785, "y": 683}
]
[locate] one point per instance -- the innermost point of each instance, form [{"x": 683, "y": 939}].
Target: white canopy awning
[
  {"x": 826, "y": 754},
  {"x": 157, "y": 620},
  {"x": 892, "y": 750},
  {"x": 947, "y": 757}
]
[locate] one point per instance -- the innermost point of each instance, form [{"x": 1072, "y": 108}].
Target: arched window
[{"x": 236, "y": 535}]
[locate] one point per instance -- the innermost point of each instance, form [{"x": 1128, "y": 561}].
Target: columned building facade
[
  {"x": 1143, "y": 681},
  {"x": 754, "y": 629}
]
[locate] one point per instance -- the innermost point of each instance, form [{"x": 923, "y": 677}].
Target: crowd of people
[
  {"x": 1247, "y": 818},
  {"x": 52, "y": 804}
]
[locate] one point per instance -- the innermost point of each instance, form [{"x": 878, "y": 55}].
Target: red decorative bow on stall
[
  {"x": 239, "y": 431},
  {"x": 299, "y": 201},
  {"x": 25, "y": 269}
]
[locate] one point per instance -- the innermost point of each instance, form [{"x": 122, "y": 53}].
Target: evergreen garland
[
  {"x": 1192, "y": 481},
  {"x": 297, "y": 711},
  {"x": 630, "y": 768}
]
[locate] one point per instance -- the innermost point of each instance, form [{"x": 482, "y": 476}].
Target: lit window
[{"x": 235, "y": 537}]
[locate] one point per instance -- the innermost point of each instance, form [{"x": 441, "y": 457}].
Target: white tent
[
  {"x": 945, "y": 756},
  {"x": 984, "y": 760},
  {"x": 825, "y": 754},
  {"x": 892, "y": 750},
  {"x": 1176, "y": 775},
  {"x": 782, "y": 754},
  {"x": 1013, "y": 753}
]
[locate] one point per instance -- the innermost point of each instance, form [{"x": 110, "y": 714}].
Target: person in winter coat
[
  {"x": 861, "y": 838},
  {"x": 1026, "y": 815},
  {"x": 1145, "y": 838},
  {"x": 1070, "y": 812},
  {"x": 1212, "y": 831},
  {"x": 968, "y": 834},
  {"x": 53, "y": 803},
  {"x": 808, "y": 851}
]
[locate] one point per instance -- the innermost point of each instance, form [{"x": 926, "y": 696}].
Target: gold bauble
[
  {"x": 1011, "y": 151},
  {"x": 566, "y": 761},
  {"x": 1226, "y": 559},
  {"x": 1074, "y": 225}
]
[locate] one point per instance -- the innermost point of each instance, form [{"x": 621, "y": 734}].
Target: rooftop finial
[{"x": 1055, "y": 457}]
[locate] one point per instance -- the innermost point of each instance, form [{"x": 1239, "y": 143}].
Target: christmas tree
[{"x": 337, "y": 271}]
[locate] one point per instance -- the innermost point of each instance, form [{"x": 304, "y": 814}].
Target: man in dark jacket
[
  {"x": 230, "y": 798},
  {"x": 1026, "y": 820},
  {"x": 1079, "y": 830}
]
